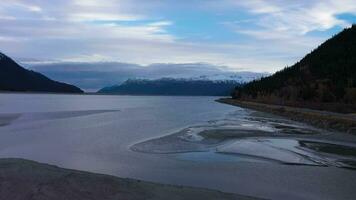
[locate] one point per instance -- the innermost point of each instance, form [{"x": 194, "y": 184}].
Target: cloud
[
  {"x": 296, "y": 18},
  {"x": 256, "y": 35},
  {"x": 17, "y": 4},
  {"x": 102, "y": 17},
  {"x": 289, "y": 28}
]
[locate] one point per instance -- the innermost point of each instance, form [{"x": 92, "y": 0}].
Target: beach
[{"x": 24, "y": 179}]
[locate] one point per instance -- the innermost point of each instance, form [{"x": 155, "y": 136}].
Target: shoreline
[
  {"x": 321, "y": 119},
  {"x": 25, "y": 179}
]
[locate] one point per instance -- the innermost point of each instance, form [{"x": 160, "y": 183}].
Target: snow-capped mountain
[
  {"x": 205, "y": 85},
  {"x": 171, "y": 86},
  {"x": 240, "y": 77},
  {"x": 92, "y": 76}
]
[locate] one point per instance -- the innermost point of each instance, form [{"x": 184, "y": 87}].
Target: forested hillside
[{"x": 323, "y": 79}]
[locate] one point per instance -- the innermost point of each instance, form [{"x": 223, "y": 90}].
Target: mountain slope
[
  {"x": 170, "y": 86},
  {"x": 13, "y": 77},
  {"x": 323, "y": 79}
]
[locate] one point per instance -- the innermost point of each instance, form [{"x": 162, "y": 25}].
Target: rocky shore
[{"x": 322, "y": 119}]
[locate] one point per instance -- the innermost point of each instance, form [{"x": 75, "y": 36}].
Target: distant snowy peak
[
  {"x": 240, "y": 77},
  {"x": 2, "y": 56},
  {"x": 182, "y": 80},
  {"x": 214, "y": 84}
]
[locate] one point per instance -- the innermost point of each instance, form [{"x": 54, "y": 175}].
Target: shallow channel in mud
[{"x": 258, "y": 137}]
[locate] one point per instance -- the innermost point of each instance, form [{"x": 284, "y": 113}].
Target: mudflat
[{"x": 28, "y": 180}]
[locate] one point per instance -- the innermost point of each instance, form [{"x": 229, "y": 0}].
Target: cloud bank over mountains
[{"x": 93, "y": 76}]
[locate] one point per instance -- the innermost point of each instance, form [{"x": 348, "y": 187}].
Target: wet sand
[
  {"x": 24, "y": 180},
  {"x": 6, "y": 119},
  {"x": 282, "y": 143}
]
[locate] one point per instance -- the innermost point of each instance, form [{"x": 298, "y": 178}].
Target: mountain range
[
  {"x": 173, "y": 86},
  {"x": 92, "y": 76}
]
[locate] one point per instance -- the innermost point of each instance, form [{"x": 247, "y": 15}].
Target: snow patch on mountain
[{"x": 238, "y": 77}]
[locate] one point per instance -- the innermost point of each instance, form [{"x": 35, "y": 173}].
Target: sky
[{"x": 242, "y": 35}]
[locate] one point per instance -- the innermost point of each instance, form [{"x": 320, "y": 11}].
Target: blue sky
[{"x": 254, "y": 35}]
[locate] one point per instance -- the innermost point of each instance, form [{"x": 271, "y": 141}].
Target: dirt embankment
[{"x": 322, "y": 119}]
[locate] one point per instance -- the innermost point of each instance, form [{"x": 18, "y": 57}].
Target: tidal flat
[{"x": 259, "y": 138}]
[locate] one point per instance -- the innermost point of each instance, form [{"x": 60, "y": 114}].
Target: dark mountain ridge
[
  {"x": 171, "y": 86},
  {"x": 13, "y": 77},
  {"x": 324, "y": 79}
]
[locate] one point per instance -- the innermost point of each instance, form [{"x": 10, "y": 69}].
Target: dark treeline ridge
[
  {"x": 15, "y": 78},
  {"x": 170, "y": 86},
  {"x": 324, "y": 79}
]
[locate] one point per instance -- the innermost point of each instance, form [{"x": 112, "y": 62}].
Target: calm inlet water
[{"x": 180, "y": 140}]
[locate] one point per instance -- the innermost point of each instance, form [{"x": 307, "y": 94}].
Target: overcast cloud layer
[{"x": 255, "y": 35}]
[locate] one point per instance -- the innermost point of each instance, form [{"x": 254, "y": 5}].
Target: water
[{"x": 180, "y": 140}]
